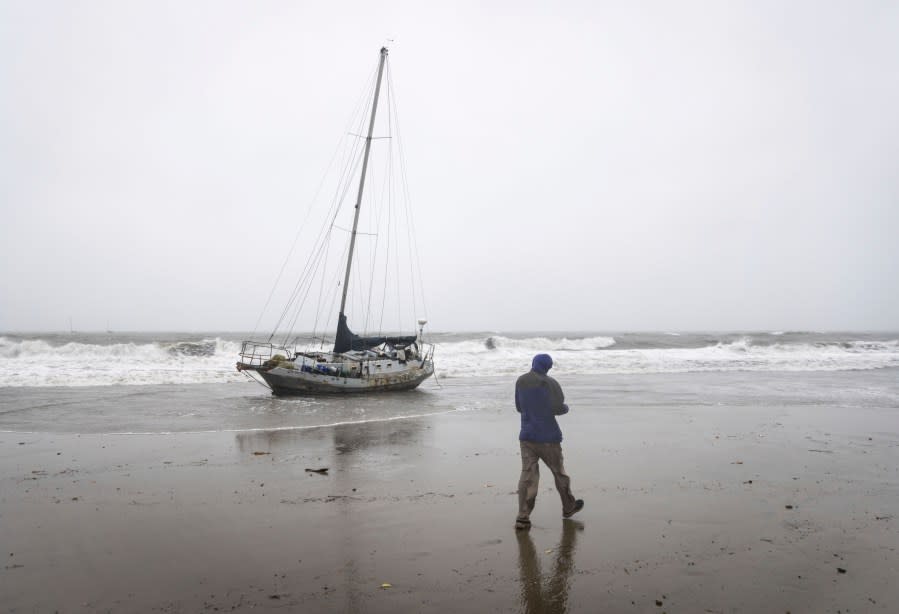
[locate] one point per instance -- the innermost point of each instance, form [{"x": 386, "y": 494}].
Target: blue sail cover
[{"x": 347, "y": 340}]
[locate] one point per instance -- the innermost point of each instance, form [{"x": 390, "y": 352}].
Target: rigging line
[
  {"x": 373, "y": 211},
  {"x": 346, "y": 180},
  {"x": 388, "y": 252},
  {"x": 307, "y": 283},
  {"x": 373, "y": 214},
  {"x": 316, "y": 266},
  {"x": 331, "y": 292},
  {"x": 391, "y": 122},
  {"x": 334, "y": 289},
  {"x": 296, "y": 238},
  {"x": 323, "y": 238},
  {"x": 370, "y": 211},
  {"x": 377, "y": 213},
  {"x": 383, "y": 221},
  {"x": 318, "y": 190},
  {"x": 307, "y": 275},
  {"x": 351, "y": 150},
  {"x": 298, "y": 295},
  {"x": 390, "y": 239},
  {"x": 408, "y": 200},
  {"x": 373, "y": 219},
  {"x": 261, "y": 383},
  {"x": 406, "y": 207},
  {"x": 390, "y": 249},
  {"x": 362, "y": 136},
  {"x": 321, "y": 291},
  {"x": 342, "y": 199},
  {"x": 358, "y": 298},
  {"x": 358, "y": 232},
  {"x": 436, "y": 380},
  {"x": 410, "y": 251},
  {"x": 391, "y": 221}
]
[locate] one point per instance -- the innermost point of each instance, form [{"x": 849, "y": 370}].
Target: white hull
[{"x": 350, "y": 372}]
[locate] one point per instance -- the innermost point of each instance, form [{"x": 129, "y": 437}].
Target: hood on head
[{"x": 542, "y": 363}]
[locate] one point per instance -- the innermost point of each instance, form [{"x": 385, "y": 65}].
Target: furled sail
[{"x": 347, "y": 340}]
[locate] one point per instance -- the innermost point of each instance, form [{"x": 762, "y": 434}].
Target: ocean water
[{"x": 159, "y": 383}]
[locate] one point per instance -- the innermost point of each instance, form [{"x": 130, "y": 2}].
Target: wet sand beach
[{"x": 689, "y": 508}]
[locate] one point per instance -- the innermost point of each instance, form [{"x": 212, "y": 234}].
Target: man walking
[{"x": 539, "y": 399}]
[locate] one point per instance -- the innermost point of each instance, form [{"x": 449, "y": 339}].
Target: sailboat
[{"x": 355, "y": 363}]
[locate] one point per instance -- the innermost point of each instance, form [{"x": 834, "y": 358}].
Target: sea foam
[
  {"x": 36, "y": 362},
  {"x": 39, "y": 362}
]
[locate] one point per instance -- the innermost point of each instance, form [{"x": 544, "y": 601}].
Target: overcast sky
[{"x": 574, "y": 165}]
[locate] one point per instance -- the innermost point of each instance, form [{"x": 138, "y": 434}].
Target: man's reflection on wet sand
[{"x": 541, "y": 595}]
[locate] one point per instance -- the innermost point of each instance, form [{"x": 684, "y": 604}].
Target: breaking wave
[
  {"x": 140, "y": 360},
  {"x": 604, "y": 355},
  {"x": 38, "y": 362}
]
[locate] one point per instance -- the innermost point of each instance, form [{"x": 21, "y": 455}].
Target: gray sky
[{"x": 574, "y": 165}]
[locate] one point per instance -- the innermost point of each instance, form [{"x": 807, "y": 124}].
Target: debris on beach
[
  {"x": 789, "y": 507},
  {"x": 322, "y": 470},
  {"x": 840, "y": 570},
  {"x": 386, "y": 585},
  {"x": 260, "y": 453}
]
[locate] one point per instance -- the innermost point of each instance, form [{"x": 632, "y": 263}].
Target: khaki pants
[{"x": 551, "y": 455}]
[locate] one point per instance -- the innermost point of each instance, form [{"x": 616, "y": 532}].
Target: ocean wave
[
  {"x": 37, "y": 362},
  {"x": 739, "y": 354},
  {"x": 139, "y": 361},
  {"x": 546, "y": 344}
]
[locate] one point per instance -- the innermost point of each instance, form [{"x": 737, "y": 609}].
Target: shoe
[
  {"x": 522, "y": 525},
  {"x": 578, "y": 506}
]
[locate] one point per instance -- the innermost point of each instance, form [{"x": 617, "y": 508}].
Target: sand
[{"x": 688, "y": 509}]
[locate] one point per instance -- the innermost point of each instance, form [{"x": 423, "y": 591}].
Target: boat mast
[{"x": 371, "y": 127}]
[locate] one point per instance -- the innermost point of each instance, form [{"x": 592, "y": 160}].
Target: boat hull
[{"x": 295, "y": 382}]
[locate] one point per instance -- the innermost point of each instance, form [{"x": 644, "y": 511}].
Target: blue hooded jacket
[{"x": 539, "y": 399}]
